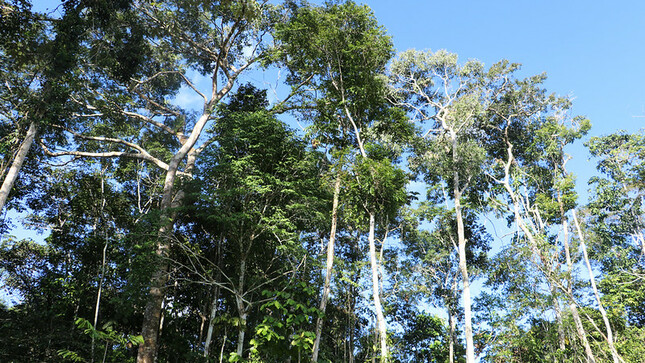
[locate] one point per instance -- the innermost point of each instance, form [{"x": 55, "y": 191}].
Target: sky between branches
[{"x": 592, "y": 51}]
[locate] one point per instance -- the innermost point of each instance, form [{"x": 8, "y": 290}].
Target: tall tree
[
  {"x": 343, "y": 51},
  {"x": 267, "y": 197},
  {"x": 126, "y": 108},
  {"x": 431, "y": 263},
  {"x": 39, "y": 57},
  {"x": 434, "y": 88}
]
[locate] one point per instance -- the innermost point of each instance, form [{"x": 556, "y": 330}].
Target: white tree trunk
[
  {"x": 328, "y": 269},
  {"x": 380, "y": 319},
  {"x": 451, "y": 337},
  {"x": 241, "y": 309},
  {"x": 16, "y": 165},
  {"x": 610, "y": 336},
  {"x": 211, "y": 323},
  {"x": 463, "y": 268},
  {"x": 582, "y": 334}
]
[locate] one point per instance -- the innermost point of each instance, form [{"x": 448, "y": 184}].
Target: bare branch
[{"x": 158, "y": 124}]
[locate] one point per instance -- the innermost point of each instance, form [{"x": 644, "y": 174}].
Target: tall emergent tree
[
  {"x": 435, "y": 89},
  {"x": 343, "y": 51},
  {"x": 127, "y": 105}
]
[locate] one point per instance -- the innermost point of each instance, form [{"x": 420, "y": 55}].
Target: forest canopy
[{"x": 363, "y": 204}]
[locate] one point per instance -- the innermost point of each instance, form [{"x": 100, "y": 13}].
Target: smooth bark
[
  {"x": 451, "y": 339},
  {"x": 17, "y": 163},
  {"x": 328, "y": 268},
  {"x": 463, "y": 268},
  {"x": 582, "y": 334},
  {"x": 610, "y": 336},
  {"x": 214, "y": 304},
  {"x": 241, "y": 309},
  {"x": 380, "y": 319},
  {"x": 461, "y": 240}
]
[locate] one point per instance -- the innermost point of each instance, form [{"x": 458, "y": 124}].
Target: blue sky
[{"x": 593, "y": 51}]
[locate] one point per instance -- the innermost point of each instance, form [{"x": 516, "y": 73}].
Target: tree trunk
[
  {"x": 98, "y": 296},
  {"x": 328, "y": 269},
  {"x": 211, "y": 321},
  {"x": 380, "y": 319},
  {"x": 461, "y": 236},
  {"x": 16, "y": 165},
  {"x": 451, "y": 337},
  {"x": 241, "y": 308},
  {"x": 610, "y": 336},
  {"x": 152, "y": 315},
  {"x": 581, "y": 332},
  {"x": 240, "y": 337},
  {"x": 463, "y": 268},
  {"x": 558, "y": 317},
  {"x": 352, "y": 323}
]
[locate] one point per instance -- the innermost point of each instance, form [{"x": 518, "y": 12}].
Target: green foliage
[
  {"x": 108, "y": 337},
  {"x": 287, "y": 324},
  {"x": 377, "y": 186},
  {"x": 424, "y": 339},
  {"x": 343, "y": 50}
]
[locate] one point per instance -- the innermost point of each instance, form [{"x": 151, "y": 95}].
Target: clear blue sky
[{"x": 593, "y": 51}]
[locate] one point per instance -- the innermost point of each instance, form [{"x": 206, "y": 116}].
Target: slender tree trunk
[
  {"x": 380, "y": 319},
  {"x": 98, "y": 295},
  {"x": 221, "y": 351},
  {"x": 558, "y": 317},
  {"x": 461, "y": 236},
  {"x": 610, "y": 336},
  {"x": 242, "y": 332},
  {"x": 556, "y": 303},
  {"x": 328, "y": 268},
  {"x": 582, "y": 334},
  {"x": 468, "y": 327},
  {"x": 103, "y": 262},
  {"x": 451, "y": 337},
  {"x": 211, "y": 321},
  {"x": 16, "y": 165},
  {"x": 241, "y": 308},
  {"x": 352, "y": 322}
]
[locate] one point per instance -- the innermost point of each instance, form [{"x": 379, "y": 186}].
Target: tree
[
  {"x": 40, "y": 55},
  {"x": 342, "y": 52},
  {"x": 431, "y": 264},
  {"x": 130, "y": 114},
  {"x": 267, "y": 195},
  {"x": 434, "y": 88},
  {"x": 612, "y": 223}
]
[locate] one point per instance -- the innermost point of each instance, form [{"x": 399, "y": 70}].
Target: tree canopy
[{"x": 172, "y": 205}]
